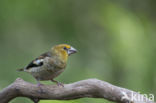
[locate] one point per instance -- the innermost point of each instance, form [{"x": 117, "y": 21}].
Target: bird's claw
[
  {"x": 39, "y": 84},
  {"x": 60, "y": 84}
]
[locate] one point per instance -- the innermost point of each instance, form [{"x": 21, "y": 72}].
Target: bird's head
[{"x": 63, "y": 51}]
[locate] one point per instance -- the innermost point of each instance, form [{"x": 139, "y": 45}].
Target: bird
[{"x": 50, "y": 64}]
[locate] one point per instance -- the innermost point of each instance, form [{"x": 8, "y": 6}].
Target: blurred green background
[{"x": 116, "y": 40}]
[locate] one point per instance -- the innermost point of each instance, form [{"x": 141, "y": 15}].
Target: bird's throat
[{"x": 62, "y": 56}]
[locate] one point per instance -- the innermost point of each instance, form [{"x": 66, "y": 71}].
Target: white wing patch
[{"x": 38, "y": 61}]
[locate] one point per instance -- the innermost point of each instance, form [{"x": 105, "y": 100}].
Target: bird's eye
[{"x": 65, "y": 48}]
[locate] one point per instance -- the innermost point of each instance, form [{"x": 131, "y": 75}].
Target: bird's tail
[{"x": 21, "y": 69}]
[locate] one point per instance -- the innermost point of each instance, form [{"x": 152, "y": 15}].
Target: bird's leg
[
  {"x": 58, "y": 83},
  {"x": 40, "y": 87},
  {"x": 39, "y": 84}
]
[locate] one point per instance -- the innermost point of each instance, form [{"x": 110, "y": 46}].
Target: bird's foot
[
  {"x": 58, "y": 83},
  {"x": 39, "y": 84}
]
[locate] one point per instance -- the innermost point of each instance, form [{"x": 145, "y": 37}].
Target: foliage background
[{"x": 115, "y": 39}]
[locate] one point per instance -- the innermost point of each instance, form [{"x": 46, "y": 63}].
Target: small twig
[{"x": 35, "y": 100}]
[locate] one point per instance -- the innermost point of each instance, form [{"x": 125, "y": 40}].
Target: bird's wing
[{"x": 38, "y": 61}]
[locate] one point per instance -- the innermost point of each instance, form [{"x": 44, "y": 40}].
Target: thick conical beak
[{"x": 71, "y": 51}]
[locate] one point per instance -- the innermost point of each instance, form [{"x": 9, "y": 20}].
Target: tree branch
[{"x": 91, "y": 88}]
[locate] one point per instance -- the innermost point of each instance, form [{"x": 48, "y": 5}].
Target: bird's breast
[{"x": 46, "y": 72}]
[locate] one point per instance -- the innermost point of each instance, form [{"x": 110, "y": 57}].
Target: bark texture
[{"x": 92, "y": 88}]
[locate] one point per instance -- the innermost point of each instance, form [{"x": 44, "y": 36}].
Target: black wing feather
[{"x": 33, "y": 64}]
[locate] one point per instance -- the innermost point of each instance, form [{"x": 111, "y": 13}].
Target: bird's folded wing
[{"x": 38, "y": 61}]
